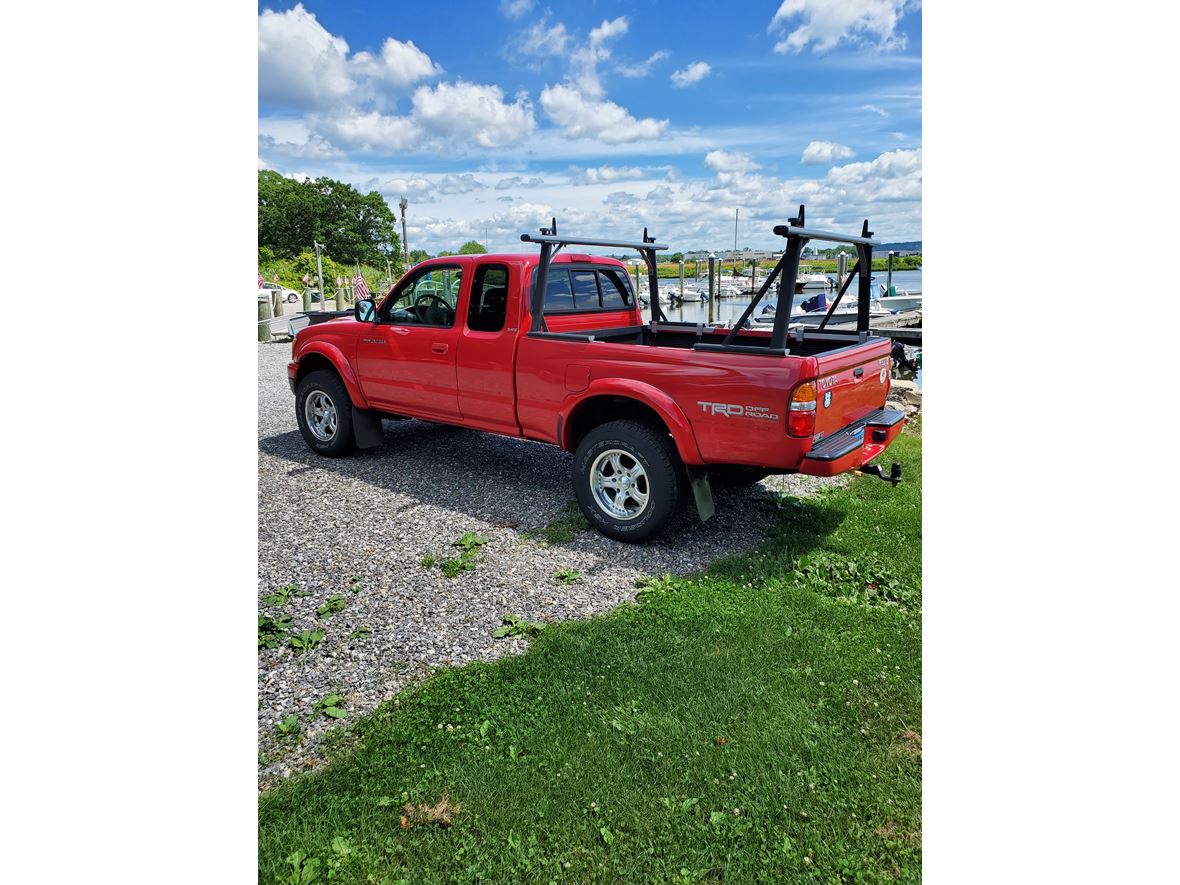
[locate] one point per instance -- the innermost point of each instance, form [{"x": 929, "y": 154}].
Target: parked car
[
  {"x": 289, "y": 295},
  {"x": 556, "y": 349}
]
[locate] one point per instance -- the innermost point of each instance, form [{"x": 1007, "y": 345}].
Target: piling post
[
  {"x": 340, "y": 293},
  {"x": 841, "y": 270},
  {"x": 681, "y": 279},
  {"x": 319, "y": 272},
  {"x": 712, "y": 261},
  {"x": 264, "y": 316},
  {"x": 889, "y": 275}
]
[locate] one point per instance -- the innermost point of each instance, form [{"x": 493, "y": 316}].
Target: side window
[
  {"x": 489, "y": 298},
  {"x": 616, "y": 291},
  {"x": 428, "y": 300},
  {"x": 585, "y": 290},
  {"x": 558, "y": 294}
]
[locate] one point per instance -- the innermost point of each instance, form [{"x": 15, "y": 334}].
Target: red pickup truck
[{"x": 554, "y": 348}]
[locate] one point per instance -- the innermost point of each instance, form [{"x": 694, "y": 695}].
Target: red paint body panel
[{"x": 720, "y": 407}]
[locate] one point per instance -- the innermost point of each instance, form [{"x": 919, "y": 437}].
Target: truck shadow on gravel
[{"x": 510, "y": 483}]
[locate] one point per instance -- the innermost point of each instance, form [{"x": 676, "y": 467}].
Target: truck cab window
[
  {"x": 616, "y": 293},
  {"x": 489, "y": 298},
  {"x": 429, "y": 300},
  {"x": 585, "y": 290},
  {"x": 558, "y": 294}
]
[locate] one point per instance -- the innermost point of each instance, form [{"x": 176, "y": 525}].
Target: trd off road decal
[{"x": 736, "y": 410}]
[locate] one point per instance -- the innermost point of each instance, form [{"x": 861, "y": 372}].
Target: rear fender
[
  {"x": 343, "y": 368},
  {"x": 652, "y": 397}
]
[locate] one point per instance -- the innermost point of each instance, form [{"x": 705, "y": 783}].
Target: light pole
[
  {"x": 402, "y": 204},
  {"x": 319, "y": 272},
  {"x": 712, "y": 260}
]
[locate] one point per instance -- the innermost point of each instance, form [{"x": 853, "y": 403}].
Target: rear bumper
[{"x": 852, "y": 446}]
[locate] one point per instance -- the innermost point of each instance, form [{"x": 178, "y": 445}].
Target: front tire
[
  {"x": 628, "y": 479},
  {"x": 324, "y": 413}
]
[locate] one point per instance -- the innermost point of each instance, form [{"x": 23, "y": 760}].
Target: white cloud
[
  {"x": 825, "y": 153},
  {"x": 643, "y": 68},
  {"x": 470, "y": 110},
  {"x": 894, "y": 175},
  {"x": 299, "y": 63},
  {"x": 881, "y": 112},
  {"x": 606, "y": 174},
  {"x": 458, "y": 184},
  {"x": 370, "y": 131},
  {"x": 400, "y": 64},
  {"x": 694, "y": 73},
  {"x": 515, "y": 8},
  {"x": 662, "y": 193},
  {"x": 540, "y": 39},
  {"x": 419, "y": 189},
  {"x": 516, "y": 181},
  {"x": 827, "y": 22},
  {"x": 314, "y": 148},
  {"x": 580, "y": 116},
  {"x": 730, "y": 161}
]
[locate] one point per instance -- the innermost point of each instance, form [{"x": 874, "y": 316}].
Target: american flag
[
  {"x": 260, "y": 281},
  {"x": 360, "y": 288}
]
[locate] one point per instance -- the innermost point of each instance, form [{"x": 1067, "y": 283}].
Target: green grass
[
  {"x": 563, "y": 529},
  {"x": 751, "y": 724}
]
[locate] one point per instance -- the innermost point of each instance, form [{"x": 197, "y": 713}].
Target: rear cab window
[{"x": 585, "y": 289}]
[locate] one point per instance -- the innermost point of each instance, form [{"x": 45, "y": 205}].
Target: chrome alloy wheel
[
  {"x": 619, "y": 484},
  {"x": 320, "y": 413}
]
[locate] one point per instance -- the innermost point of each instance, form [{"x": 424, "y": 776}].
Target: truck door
[
  {"x": 406, "y": 361},
  {"x": 486, "y": 374}
]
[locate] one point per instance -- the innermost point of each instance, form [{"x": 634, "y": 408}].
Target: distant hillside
[{"x": 912, "y": 246}]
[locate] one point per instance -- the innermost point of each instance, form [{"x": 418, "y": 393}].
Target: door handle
[
  {"x": 438, "y": 348},
  {"x": 856, "y": 373}
]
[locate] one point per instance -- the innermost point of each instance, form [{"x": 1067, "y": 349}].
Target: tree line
[{"x": 353, "y": 227}]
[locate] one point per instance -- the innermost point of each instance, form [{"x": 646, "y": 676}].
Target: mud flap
[
  {"x": 701, "y": 493},
  {"x": 367, "y": 429}
]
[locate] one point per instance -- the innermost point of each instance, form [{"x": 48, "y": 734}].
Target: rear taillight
[{"x": 801, "y": 413}]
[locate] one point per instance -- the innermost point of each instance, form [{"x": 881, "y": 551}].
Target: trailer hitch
[{"x": 893, "y": 478}]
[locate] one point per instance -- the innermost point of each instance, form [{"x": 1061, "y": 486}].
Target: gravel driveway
[{"x": 359, "y": 527}]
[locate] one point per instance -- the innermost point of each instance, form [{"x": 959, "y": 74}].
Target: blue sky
[{"x": 491, "y": 117}]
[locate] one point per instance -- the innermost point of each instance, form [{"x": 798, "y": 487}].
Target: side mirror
[{"x": 365, "y": 310}]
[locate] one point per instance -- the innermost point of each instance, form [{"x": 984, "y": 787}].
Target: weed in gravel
[
  {"x": 452, "y": 568},
  {"x": 280, "y": 595},
  {"x": 470, "y": 542},
  {"x": 360, "y": 633},
  {"x": 331, "y": 705},
  {"x": 429, "y": 560},
  {"x": 563, "y": 529},
  {"x": 567, "y": 576},
  {"x": 333, "y": 605},
  {"x": 271, "y": 631},
  {"x": 511, "y": 625},
  {"x": 306, "y": 640},
  {"x": 289, "y": 726}
]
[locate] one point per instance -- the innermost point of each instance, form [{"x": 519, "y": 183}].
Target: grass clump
[{"x": 563, "y": 529}]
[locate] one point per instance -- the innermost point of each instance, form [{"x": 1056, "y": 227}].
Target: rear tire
[
  {"x": 324, "y": 412},
  {"x": 629, "y": 480}
]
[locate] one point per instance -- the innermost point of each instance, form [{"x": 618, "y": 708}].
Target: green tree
[
  {"x": 417, "y": 255},
  {"x": 353, "y": 227},
  {"x": 471, "y": 247}
]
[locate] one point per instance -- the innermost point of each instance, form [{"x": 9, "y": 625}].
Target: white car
[{"x": 289, "y": 295}]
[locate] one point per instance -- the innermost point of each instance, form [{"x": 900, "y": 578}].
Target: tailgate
[{"x": 851, "y": 383}]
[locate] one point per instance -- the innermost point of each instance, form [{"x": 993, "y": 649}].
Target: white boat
[
  {"x": 903, "y": 299},
  {"x": 812, "y": 282}
]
